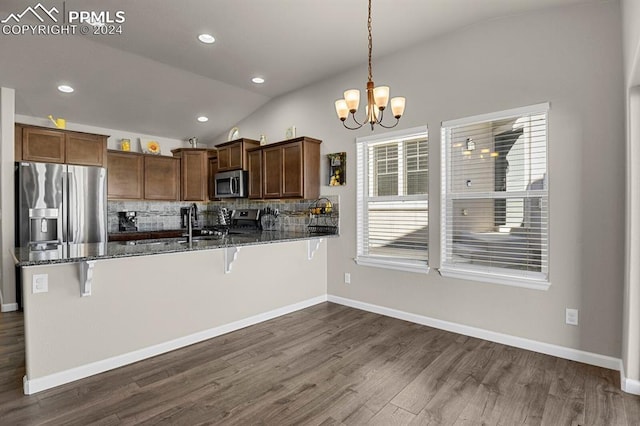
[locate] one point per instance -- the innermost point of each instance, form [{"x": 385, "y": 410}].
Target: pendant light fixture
[{"x": 377, "y": 98}]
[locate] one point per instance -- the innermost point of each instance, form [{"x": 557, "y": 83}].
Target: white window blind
[
  {"x": 495, "y": 204},
  {"x": 392, "y": 200}
]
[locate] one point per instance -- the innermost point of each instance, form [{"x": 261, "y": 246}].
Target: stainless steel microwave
[{"x": 232, "y": 184}]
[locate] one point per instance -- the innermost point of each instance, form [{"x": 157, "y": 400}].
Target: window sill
[
  {"x": 533, "y": 283},
  {"x": 418, "y": 268}
]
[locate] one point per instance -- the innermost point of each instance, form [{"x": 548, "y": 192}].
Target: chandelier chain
[{"x": 370, "y": 42}]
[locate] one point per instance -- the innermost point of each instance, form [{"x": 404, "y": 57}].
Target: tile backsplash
[{"x": 294, "y": 215}]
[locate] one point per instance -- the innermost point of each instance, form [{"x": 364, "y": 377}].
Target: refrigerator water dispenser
[{"x": 43, "y": 225}]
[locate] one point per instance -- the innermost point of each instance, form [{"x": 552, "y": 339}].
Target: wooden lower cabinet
[
  {"x": 125, "y": 176},
  {"x": 161, "y": 178}
]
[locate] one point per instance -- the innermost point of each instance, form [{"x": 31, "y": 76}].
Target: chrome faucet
[{"x": 193, "y": 215}]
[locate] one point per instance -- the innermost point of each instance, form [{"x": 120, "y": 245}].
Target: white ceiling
[{"x": 155, "y": 77}]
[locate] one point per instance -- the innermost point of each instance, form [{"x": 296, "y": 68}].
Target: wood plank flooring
[{"x": 325, "y": 365}]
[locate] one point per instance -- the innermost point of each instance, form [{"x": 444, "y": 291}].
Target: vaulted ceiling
[{"x": 156, "y": 77}]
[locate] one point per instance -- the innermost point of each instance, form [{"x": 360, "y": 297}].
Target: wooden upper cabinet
[
  {"x": 254, "y": 159},
  {"x": 233, "y": 155},
  {"x": 193, "y": 173},
  {"x": 85, "y": 149},
  {"x": 292, "y": 173},
  {"x": 125, "y": 176},
  {"x": 213, "y": 169},
  {"x": 43, "y": 145},
  {"x": 291, "y": 169},
  {"x": 272, "y": 172},
  {"x": 161, "y": 178},
  {"x": 46, "y": 145}
]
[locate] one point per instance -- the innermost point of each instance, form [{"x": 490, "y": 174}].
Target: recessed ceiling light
[
  {"x": 203, "y": 119},
  {"x": 258, "y": 80},
  {"x": 206, "y": 38},
  {"x": 65, "y": 88}
]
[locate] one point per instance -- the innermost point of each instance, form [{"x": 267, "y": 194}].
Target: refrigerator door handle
[
  {"x": 63, "y": 225},
  {"x": 72, "y": 207}
]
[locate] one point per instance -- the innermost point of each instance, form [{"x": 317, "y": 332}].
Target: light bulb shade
[
  {"x": 341, "y": 109},
  {"x": 381, "y": 96},
  {"x": 397, "y": 106},
  {"x": 352, "y": 98}
]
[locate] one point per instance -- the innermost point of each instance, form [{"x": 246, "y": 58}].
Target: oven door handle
[{"x": 233, "y": 186}]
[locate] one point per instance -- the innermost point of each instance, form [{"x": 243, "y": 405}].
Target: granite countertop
[{"x": 69, "y": 253}]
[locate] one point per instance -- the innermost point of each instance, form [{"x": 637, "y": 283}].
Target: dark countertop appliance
[
  {"x": 127, "y": 221},
  {"x": 245, "y": 219}
]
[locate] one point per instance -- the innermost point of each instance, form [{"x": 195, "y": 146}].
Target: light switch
[{"x": 40, "y": 283}]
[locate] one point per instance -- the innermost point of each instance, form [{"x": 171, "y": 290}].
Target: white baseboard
[
  {"x": 628, "y": 385},
  {"x": 505, "y": 339},
  {"x": 8, "y": 307},
  {"x": 39, "y": 384}
]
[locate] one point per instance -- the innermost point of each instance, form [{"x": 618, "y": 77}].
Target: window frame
[
  {"x": 494, "y": 275},
  {"x": 362, "y": 166}
]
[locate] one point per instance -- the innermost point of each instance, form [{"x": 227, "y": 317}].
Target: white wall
[
  {"x": 631, "y": 309},
  {"x": 7, "y": 229},
  {"x": 570, "y": 57}
]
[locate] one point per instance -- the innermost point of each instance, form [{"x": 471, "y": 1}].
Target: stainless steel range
[{"x": 245, "y": 220}]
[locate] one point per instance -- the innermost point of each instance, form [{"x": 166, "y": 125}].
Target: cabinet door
[
  {"x": 235, "y": 156},
  {"x": 272, "y": 175},
  {"x": 292, "y": 177},
  {"x": 43, "y": 145},
  {"x": 254, "y": 160},
  {"x": 213, "y": 169},
  {"x": 193, "y": 169},
  {"x": 223, "y": 159},
  {"x": 125, "y": 176},
  {"x": 161, "y": 178},
  {"x": 84, "y": 149}
]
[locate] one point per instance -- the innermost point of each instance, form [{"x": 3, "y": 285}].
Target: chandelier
[{"x": 377, "y": 98}]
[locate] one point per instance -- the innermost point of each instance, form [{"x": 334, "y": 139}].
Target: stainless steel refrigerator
[{"x": 60, "y": 203}]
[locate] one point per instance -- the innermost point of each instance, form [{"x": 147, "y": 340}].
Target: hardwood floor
[{"x": 325, "y": 365}]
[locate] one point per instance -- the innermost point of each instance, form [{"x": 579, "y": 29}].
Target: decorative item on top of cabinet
[
  {"x": 47, "y": 145},
  {"x": 337, "y": 168},
  {"x": 233, "y": 155},
  {"x": 193, "y": 173}
]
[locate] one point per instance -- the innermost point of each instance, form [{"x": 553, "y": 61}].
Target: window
[
  {"x": 495, "y": 204},
  {"x": 392, "y": 200}
]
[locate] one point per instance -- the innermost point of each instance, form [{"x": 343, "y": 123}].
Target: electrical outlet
[
  {"x": 40, "y": 283},
  {"x": 347, "y": 278},
  {"x": 571, "y": 316}
]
